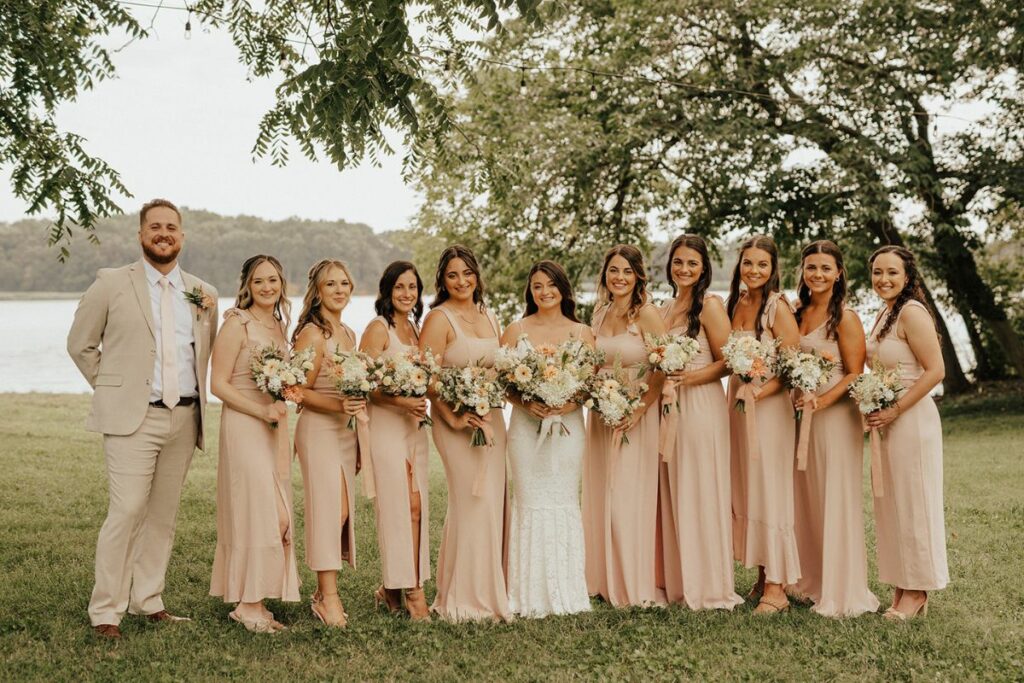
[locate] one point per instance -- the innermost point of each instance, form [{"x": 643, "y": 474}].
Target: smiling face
[
  {"x": 545, "y": 292},
  {"x": 755, "y": 267},
  {"x": 820, "y": 272},
  {"x": 335, "y": 290},
  {"x": 405, "y": 293},
  {"x": 459, "y": 280},
  {"x": 161, "y": 235},
  {"x": 888, "y": 276},
  {"x": 687, "y": 267},
  {"x": 265, "y": 285},
  {"x": 619, "y": 277}
]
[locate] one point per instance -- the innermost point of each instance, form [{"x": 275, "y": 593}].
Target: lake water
[{"x": 33, "y": 355}]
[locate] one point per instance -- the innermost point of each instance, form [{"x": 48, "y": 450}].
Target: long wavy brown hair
[
  {"x": 837, "y": 301},
  {"x": 441, "y": 291},
  {"x": 312, "y": 305},
  {"x": 384, "y": 306},
  {"x": 764, "y": 243},
  {"x": 561, "y": 280},
  {"x": 700, "y": 288},
  {"x": 912, "y": 290},
  {"x": 636, "y": 261},
  {"x": 244, "y": 298}
]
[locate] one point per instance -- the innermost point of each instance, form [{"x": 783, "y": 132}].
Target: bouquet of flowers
[
  {"x": 408, "y": 374},
  {"x": 876, "y": 390},
  {"x": 279, "y": 376},
  {"x": 613, "y": 398},
  {"x": 552, "y": 375},
  {"x": 749, "y": 358},
  {"x": 668, "y": 353},
  {"x": 805, "y": 371},
  {"x": 475, "y": 388},
  {"x": 354, "y": 374}
]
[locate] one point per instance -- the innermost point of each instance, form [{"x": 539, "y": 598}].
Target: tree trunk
[{"x": 984, "y": 369}]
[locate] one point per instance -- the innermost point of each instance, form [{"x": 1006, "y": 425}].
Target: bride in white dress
[{"x": 546, "y": 557}]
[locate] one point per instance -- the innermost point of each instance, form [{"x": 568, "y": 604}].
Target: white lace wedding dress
[{"x": 545, "y": 562}]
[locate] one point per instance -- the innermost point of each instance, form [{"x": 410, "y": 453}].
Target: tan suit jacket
[{"x": 113, "y": 344}]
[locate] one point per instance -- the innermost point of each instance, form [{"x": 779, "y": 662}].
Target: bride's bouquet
[
  {"x": 807, "y": 372},
  {"x": 280, "y": 376},
  {"x": 475, "y": 388},
  {"x": 408, "y": 374},
  {"x": 614, "y": 399},
  {"x": 668, "y": 353},
  {"x": 548, "y": 374},
  {"x": 354, "y": 374},
  {"x": 749, "y": 358},
  {"x": 874, "y": 391}
]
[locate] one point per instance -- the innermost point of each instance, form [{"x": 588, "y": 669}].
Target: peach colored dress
[
  {"x": 327, "y": 450},
  {"x": 471, "y": 565},
  {"x": 252, "y": 561},
  {"x": 910, "y": 525},
  {"x": 829, "y": 501},
  {"x": 620, "y": 492},
  {"x": 762, "y": 489},
  {"x": 696, "y": 513},
  {"x": 399, "y": 445}
]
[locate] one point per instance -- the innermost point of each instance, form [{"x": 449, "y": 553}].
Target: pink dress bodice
[
  {"x": 817, "y": 340},
  {"x": 627, "y": 347},
  {"x": 894, "y": 352},
  {"x": 704, "y": 356},
  {"x": 466, "y": 350},
  {"x": 256, "y": 335}
]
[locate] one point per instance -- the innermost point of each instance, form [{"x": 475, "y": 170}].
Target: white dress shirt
[{"x": 184, "y": 340}]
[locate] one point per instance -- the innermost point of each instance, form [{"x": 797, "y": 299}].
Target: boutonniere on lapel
[{"x": 200, "y": 299}]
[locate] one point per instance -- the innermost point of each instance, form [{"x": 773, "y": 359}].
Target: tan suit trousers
[{"x": 145, "y": 471}]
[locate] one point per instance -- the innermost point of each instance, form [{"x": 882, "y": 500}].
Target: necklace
[{"x": 255, "y": 317}]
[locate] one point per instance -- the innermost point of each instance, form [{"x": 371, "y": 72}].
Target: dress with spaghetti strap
[
  {"x": 620, "y": 491},
  {"x": 829, "y": 500},
  {"x": 471, "y": 563},
  {"x": 327, "y": 452},
  {"x": 696, "y": 517},
  {"x": 910, "y": 524},
  {"x": 762, "y": 489},
  {"x": 399, "y": 447},
  {"x": 252, "y": 560}
]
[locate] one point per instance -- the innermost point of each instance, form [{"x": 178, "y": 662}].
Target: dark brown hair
[
  {"x": 453, "y": 252},
  {"x": 697, "y": 243},
  {"x": 636, "y": 262},
  {"x": 244, "y": 299},
  {"x": 764, "y": 243},
  {"x": 912, "y": 290},
  {"x": 561, "y": 281},
  {"x": 383, "y": 305},
  {"x": 312, "y": 305},
  {"x": 152, "y": 204},
  {"x": 837, "y": 302}
]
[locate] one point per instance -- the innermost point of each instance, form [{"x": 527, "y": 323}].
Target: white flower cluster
[
  {"x": 353, "y": 372},
  {"x": 275, "y": 374},
  {"x": 552, "y": 375},
  {"x": 670, "y": 352},
  {"x": 407, "y": 373},
  {"x": 876, "y": 390},
  {"x": 614, "y": 398},
  {"x": 748, "y": 357},
  {"x": 473, "y": 387},
  {"x": 803, "y": 370}
]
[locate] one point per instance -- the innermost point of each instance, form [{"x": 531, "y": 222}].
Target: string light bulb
[
  {"x": 522, "y": 81},
  {"x": 593, "y": 89},
  {"x": 188, "y": 27},
  {"x": 660, "y": 101}
]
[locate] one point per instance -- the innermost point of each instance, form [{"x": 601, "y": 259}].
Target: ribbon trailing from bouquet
[
  {"x": 669, "y": 421},
  {"x": 363, "y": 441},
  {"x": 481, "y": 468},
  {"x": 547, "y": 428},
  {"x": 803, "y": 442},
  {"x": 875, "y": 438},
  {"x": 283, "y": 464},
  {"x": 747, "y": 393}
]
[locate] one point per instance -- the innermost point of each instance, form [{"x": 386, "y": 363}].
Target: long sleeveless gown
[
  {"x": 546, "y": 556},
  {"x": 471, "y": 562},
  {"x": 910, "y": 525},
  {"x": 829, "y": 501},
  {"x": 252, "y": 561},
  {"x": 398, "y": 445},
  {"x": 620, "y": 492},
  {"x": 696, "y": 514},
  {"x": 327, "y": 452},
  {"x": 762, "y": 489}
]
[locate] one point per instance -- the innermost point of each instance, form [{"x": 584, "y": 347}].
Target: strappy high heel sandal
[
  {"x": 769, "y": 606},
  {"x": 416, "y": 603},
  {"x": 316, "y": 605},
  {"x": 893, "y": 614},
  {"x": 381, "y": 599},
  {"x": 260, "y": 625}
]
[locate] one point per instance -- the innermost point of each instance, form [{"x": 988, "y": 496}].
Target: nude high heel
[
  {"x": 316, "y": 605},
  {"x": 380, "y": 599},
  {"x": 416, "y": 603},
  {"x": 893, "y": 614}
]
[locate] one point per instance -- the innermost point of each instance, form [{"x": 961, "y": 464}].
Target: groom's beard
[{"x": 162, "y": 259}]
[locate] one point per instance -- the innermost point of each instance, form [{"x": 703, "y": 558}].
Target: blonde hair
[
  {"x": 311, "y": 303},
  {"x": 244, "y": 299}
]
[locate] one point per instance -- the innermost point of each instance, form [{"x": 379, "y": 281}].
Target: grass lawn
[{"x": 53, "y": 500}]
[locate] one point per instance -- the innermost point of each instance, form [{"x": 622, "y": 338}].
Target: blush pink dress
[
  {"x": 327, "y": 451},
  {"x": 762, "y": 489},
  {"x": 471, "y": 565},
  {"x": 910, "y": 524},
  {"x": 620, "y": 492},
  {"x": 399, "y": 445},
  {"x": 829, "y": 501},
  {"x": 696, "y": 513},
  {"x": 252, "y": 561}
]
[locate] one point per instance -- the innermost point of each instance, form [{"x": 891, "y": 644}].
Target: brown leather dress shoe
[
  {"x": 164, "y": 615},
  {"x": 111, "y": 631}
]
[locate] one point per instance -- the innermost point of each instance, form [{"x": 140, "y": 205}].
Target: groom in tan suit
[{"x": 144, "y": 349}]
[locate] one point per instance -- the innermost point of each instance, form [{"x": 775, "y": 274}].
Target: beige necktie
[{"x": 168, "y": 348}]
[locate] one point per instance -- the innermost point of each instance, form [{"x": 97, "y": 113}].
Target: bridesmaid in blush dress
[
  {"x": 829, "y": 498},
  {"x": 762, "y": 487},
  {"x": 621, "y": 530},
  {"x": 329, "y": 453},
  {"x": 695, "y": 496},
  {"x": 400, "y": 449},
  {"x": 255, "y": 555},
  {"x": 471, "y": 565},
  {"x": 909, "y": 518}
]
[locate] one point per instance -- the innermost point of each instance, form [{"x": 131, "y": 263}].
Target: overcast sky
[{"x": 179, "y": 122}]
